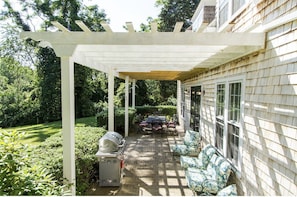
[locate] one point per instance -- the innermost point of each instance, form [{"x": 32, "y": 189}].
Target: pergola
[{"x": 135, "y": 56}]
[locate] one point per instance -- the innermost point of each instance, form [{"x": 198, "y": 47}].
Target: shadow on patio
[{"x": 150, "y": 169}]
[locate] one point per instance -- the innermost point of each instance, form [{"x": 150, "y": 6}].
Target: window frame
[
  {"x": 231, "y": 14},
  {"x": 225, "y": 118}
]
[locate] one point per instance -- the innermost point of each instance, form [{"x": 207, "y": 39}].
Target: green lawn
[{"x": 39, "y": 132}]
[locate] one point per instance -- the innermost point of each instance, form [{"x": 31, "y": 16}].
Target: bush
[
  {"x": 18, "y": 175},
  {"x": 167, "y": 110},
  {"x": 50, "y": 154},
  {"x": 119, "y": 120}
]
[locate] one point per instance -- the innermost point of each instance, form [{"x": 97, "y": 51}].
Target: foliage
[
  {"x": 37, "y": 98},
  {"x": 18, "y": 175},
  {"x": 49, "y": 71},
  {"x": 18, "y": 94},
  {"x": 14, "y": 48},
  {"x": 168, "y": 92},
  {"x": 162, "y": 109},
  {"x": 173, "y": 11},
  {"x": 119, "y": 120},
  {"x": 48, "y": 78},
  {"x": 83, "y": 92},
  {"x": 50, "y": 154},
  {"x": 141, "y": 91}
]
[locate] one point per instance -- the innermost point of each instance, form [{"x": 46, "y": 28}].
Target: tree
[
  {"x": 47, "y": 64},
  {"x": 173, "y": 11},
  {"x": 18, "y": 94}
]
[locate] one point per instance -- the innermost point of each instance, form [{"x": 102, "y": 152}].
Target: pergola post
[
  {"x": 68, "y": 121},
  {"x": 133, "y": 93},
  {"x": 126, "y": 105},
  {"x": 178, "y": 101},
  {"x": 110, "y": 100}
]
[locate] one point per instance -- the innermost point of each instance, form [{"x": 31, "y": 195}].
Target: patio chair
[
  {"x": 211, "y": 180},
  {"x": 190, "y": 146},
  {"x": 198, "y": 162}
]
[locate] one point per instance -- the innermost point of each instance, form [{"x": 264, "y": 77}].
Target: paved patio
[{"x": 150, "y": 169}]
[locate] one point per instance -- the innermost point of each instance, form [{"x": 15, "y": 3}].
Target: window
[
  {"x": 234, "y": 122},
  {"x": 236, "y": 4},
  {"x": 223, "y": 12},
  {"x": 228, "y": 10},
  {"x": 220, "y": 107},
  {"x": 228, "y": 120}
]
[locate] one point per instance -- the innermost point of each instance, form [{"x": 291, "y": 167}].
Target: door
[{"x": 195, "y": 107}]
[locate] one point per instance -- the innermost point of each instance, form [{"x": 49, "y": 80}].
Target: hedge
[
  {"x": 167, "y": 110},
  {"x": 119, "y": 120},
  {"x": 49, "y": 154},
  {"x": 102, "y": 117},
  {"x": 19, "y": 175}
]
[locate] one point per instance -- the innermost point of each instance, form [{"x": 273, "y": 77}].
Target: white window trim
[
  {"x": 227, "y": 82},
  {"x": 231, "y": 16}
]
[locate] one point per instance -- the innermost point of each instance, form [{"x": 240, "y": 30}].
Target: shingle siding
[{"x": 269, "y": 155}]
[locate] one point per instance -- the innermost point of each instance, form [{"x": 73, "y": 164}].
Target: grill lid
[{"x": 110, "y": 142}]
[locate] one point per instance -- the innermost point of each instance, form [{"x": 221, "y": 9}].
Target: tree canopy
[{"x": 30, "y": 76}]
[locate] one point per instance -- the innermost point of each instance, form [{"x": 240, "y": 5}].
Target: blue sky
[{"x": 121, "y": 11}]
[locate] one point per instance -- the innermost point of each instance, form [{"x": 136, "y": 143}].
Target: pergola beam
[
  {"x": 178, "y": 26},
  {"x": 143, "y": 39},
  {"x": 60, "y": 26},
  {"x": 130, "y": 27},
  {"x": 106, "y": 27},
  {"x": 154, "y": 27},
  {"x": 83, "y": 26}
]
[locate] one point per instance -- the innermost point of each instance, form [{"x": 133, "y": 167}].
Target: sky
[{"x": 121, "y": 11}]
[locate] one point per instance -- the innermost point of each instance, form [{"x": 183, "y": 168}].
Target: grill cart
[{"x": 111, "y": 159}]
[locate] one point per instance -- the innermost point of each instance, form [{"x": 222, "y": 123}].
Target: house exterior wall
[{"x": 269, "y": 115}]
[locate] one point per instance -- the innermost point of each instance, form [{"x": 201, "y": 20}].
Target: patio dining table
[{"x": 153, "y": 124}]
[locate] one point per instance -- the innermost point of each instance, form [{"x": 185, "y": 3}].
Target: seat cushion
[
  {"x": 227, "y": 191},
  {"x": 182, "y": 149},
  {"x": 230, "y": 190},
  {"x": 200, "y": 162},
  {"x": 192, "y": 162},
  {"x": 219, "y": 169},
  {"x": 205, "y": 155},
  {"x": 192, "y": 138},
  {"x": 199, "y": 181}
]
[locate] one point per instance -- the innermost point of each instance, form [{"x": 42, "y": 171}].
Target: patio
[{"x": 150, "y": 168}]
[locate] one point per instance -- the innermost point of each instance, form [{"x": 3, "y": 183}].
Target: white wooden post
[
  {"x": 178, "y": 101},
  {"x": 133, "y": 93},
  {"x": 110, "y": 100},
  {"x": 126, "y": 105},
  {"x": 68, "y": 121}
]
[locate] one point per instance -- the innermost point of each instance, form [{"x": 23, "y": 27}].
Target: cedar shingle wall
[{"x": 269, "y": 163}]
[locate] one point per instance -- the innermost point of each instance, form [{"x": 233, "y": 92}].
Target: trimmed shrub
[
  {"x": 119, "y": 121},
  {"x": 50, "y": 154},
  {"x": 167, "y": 110},
  {"x": 18, "y": 175}
]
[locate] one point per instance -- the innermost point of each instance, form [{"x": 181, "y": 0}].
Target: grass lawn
[{"x": 39, "y": 132}]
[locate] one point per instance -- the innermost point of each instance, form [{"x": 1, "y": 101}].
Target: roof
[{"x": 149, "y": 55}]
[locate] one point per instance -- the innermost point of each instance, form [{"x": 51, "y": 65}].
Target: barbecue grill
[{"x": 111, "y": 159}]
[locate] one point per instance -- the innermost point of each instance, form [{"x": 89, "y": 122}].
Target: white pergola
[{"x": 135, "y": 56}]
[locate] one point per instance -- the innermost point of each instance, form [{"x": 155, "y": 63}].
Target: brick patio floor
[{"x": 150, "y": 169}]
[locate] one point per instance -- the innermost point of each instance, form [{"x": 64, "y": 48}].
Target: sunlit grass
[{"x": 39, "y": 132}]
